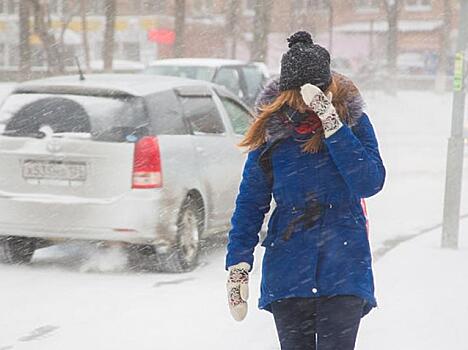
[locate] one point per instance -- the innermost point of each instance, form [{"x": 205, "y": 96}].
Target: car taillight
[{"x": 147, "y": 164}]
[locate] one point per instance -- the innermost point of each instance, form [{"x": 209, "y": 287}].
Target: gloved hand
[
  {"x": 323, "y": 107},
  {"x": 238, "y": 290}
]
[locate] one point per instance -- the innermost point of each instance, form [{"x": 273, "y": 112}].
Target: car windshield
[
  {"x": 103, "y": 118},
  {"x": 190, "y": 72}
]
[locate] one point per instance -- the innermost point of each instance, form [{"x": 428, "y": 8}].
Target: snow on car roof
[
  {"x": 205, "y": 62},
  {"x": 106, "y": 84}
]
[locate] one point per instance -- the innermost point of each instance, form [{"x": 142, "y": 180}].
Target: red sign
[{"x": 161, "y": 36}]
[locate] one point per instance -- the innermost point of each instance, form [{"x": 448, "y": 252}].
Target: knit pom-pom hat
[{"x": 304, "y": 62}]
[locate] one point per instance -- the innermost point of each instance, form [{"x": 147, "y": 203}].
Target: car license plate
[{"x": 54, "y": 170}]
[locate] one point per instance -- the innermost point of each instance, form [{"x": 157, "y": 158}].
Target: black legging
[{"x": 325, "y": 323}]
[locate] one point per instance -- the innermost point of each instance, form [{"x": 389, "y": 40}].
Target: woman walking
[{"x": 314, "y": 150}]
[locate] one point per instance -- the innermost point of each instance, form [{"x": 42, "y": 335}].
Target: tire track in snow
[
  {"x": 38, "y": 333},
  {"x": 172, "y": 282},
  {"x": 391, "y": 244}
]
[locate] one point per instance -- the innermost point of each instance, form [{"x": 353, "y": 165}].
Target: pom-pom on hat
[{"x": 305, "y": 62}]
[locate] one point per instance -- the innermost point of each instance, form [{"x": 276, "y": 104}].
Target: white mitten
[
  {"x": 323, "y": 107},
  {"x": 238, "y": 290}
]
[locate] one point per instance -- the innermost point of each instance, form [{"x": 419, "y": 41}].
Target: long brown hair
[{"x": 256, "y": 135}]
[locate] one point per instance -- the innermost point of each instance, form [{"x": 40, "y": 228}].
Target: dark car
[{"x": 243, "y": 79}]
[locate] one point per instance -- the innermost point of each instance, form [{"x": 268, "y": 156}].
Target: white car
[{"x": 146, "y": 160}]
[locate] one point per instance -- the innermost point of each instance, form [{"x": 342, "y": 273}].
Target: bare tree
[
  {"x": 444, "y": 48},
  {"x": 109, "y": 34},
  {"x": 42, "y": 27},
  {"x": 179, "y": 28},
  {"x": 294, "y": 16},
  {"x": 371, "y": 40},
  {"x": 261, "y": 29},
  {"x": 300, "y": 16},
  {"x": 53, "y": 45},
  {"x": 84, "y": 34},
  {"x": 232, "y": 26},
  {"x": 70, "y": 9},
  {"x": 24, "y": 45},
  {"x": 331, "y": 23},
  {"x": 392, "y": 10}
]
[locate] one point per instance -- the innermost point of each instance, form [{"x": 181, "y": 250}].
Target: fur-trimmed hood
[{"x": 347, "y": 93}]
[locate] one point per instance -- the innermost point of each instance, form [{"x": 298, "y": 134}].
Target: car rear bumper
[{"x": 140, "y": 216}]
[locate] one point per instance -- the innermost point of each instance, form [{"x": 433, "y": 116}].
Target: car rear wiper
[
  {"x": 18, "y": 133},
  {"x": 41, "y": 134},
  {"x": 72, "y": 135}
]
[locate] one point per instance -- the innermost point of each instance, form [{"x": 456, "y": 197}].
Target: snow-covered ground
[
  {"x": 413, "y": 130},
  {"x": 59, "y": 302},
  {"x": 422, "y": 297}
]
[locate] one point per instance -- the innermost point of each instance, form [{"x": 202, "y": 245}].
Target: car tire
[
  {"x": 16, "y": 250},
  {"x": 183, "y": 255}
]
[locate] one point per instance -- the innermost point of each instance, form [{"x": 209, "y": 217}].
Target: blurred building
[
  {"x": 355, "y": 31},
  {"x": 136, "y": 23}
]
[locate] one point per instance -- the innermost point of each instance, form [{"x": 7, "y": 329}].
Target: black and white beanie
[{"x": 304, "y": 62}]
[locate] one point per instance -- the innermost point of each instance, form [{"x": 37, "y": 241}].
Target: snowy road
[{"x": 54, "y": 305}]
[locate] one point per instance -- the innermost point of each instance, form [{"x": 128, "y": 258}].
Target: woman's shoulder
[
  {"x": 364, "y": 127},
  {"x": 363, "y": 121},
  {"x": 257, "y": 152}
]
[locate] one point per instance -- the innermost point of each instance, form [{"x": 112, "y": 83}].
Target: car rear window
[
  {"x": 202, "y": 114},
  {"x": 102, "y": 118},
  {"x": 166, "y": 114},
  {"x": 189, "y": 72}
]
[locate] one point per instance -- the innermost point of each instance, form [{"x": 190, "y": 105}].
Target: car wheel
[
  {"x": 183, "y": 255},
  {"x": 16, "y": 250}
]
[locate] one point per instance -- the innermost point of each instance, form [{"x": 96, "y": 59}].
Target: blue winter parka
[{"x": 330, "y": 257}]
